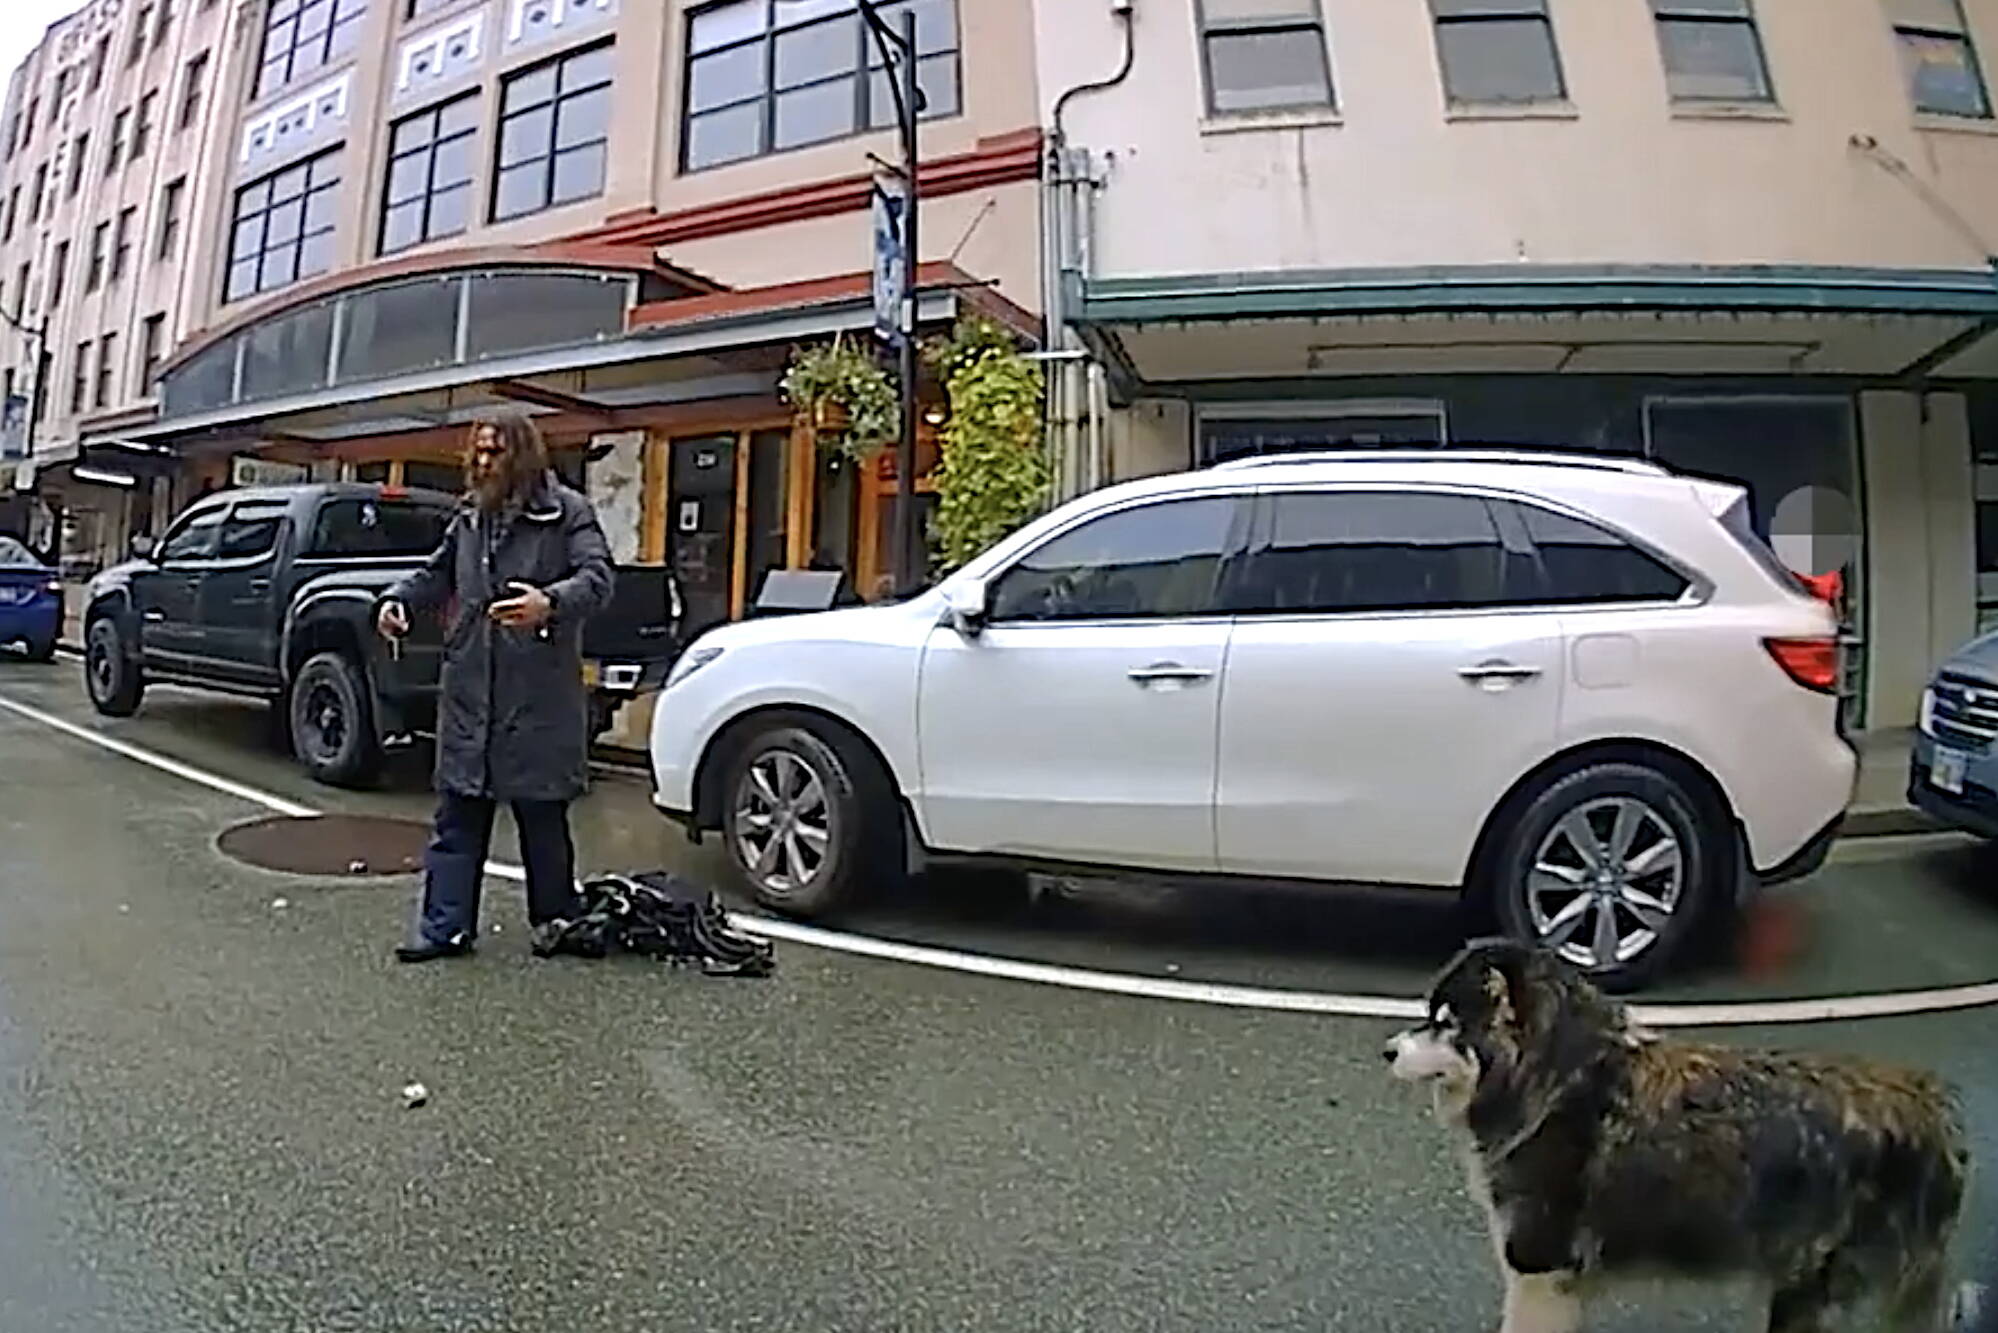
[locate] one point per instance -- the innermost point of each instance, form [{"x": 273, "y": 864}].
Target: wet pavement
[{"x": 202, "y": 1128}]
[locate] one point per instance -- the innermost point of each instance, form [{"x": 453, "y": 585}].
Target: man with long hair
[{"x": 522, "y": 565}]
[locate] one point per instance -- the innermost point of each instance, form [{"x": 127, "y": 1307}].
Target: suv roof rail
[{"x": 1445, "y": 454}]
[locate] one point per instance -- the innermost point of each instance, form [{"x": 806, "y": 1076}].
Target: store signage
[{"x": 244, "y": 471}]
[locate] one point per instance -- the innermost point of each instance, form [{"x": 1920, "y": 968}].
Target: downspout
[{"x": 1065, "y": 249}]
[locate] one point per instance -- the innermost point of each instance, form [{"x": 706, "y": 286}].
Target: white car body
[{"x": 1334, "y": 746}]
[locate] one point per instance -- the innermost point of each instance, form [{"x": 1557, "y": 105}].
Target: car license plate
[{"x": 1946, "y": 772}]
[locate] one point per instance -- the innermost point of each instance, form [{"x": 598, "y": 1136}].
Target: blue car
[{"x": 30, "y": 601}]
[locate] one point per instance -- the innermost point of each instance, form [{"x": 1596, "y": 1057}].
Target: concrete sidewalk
[{"x": 1881, "y": 806}]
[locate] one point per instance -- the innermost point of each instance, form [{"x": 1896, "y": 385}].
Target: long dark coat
[{"x": 512, "y": 711}]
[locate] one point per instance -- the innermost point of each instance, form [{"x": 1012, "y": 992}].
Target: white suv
[{"x": 1581, "y": 691}]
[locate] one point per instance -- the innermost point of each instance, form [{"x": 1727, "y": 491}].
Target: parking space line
[{"x": 1683, "y": 1014}]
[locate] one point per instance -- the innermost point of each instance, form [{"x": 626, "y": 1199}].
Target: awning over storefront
[
  {"x": 415, "y": 353},
  {"x": 1541, "y": 319}
]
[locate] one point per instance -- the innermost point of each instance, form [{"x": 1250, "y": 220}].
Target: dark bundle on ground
[{"x": 660, "y": 916}]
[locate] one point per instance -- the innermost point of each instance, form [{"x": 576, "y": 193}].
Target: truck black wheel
[
  {"x": 333, "y": 721},
  {"x": 111, "y": 670}
]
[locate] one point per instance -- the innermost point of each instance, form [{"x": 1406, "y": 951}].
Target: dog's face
[{"x": 1506, "y": 1024}]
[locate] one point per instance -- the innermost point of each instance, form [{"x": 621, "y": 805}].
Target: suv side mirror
[
  {"x": 965, "y": 605},
  {"x": 143, "y": 548}
]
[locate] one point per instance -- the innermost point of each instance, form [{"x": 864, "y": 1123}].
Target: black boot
[{"x": 424, "y": 951}]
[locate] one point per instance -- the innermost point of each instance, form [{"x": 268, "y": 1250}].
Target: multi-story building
[
  {"x": 107, "y": 131},
  {"x": 1753, "y": 238},
  {"x": 620, "y": 216}
]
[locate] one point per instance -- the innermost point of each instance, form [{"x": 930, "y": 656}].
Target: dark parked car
[
  {"x": 30, "y": 601},
  {"x": 270, "y": 592}
]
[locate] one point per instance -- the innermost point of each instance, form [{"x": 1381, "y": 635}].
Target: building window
[
  {"x": 142, "y": 23},
  {"x": 107, "y": 369},
  {"x": 429, "y": 190},
  {"x": 171, "y": 199},
  {"x": 78, "y": 153},
  {"x": 12, "y": 215},
  {"x": 39, "y": 192},
  {"x": 283, "y": 230},
  {"x": 58, "y": 273},
  {"x": 100, "y": 56},
  {"x": 21, "y": 294},
  {"x": 152, "y": 335},
  {"x": 165, "y": 24},
  {"x": 79, "y": 379},
  {"x": 1264, "y": 54},
  {"x": 191, "y": 80},
  {"x": 301, "y": 36},
  {"x": 61, "y": 93},
  {"x": 121, "y": 249},
  {"x": 1497, "y": 52},
  {"x": 28, "y": 123},
  {"x": 767, "y": 75},
  {"x": 100, "y": 244},
  {"x": 1944, "y": 76},
  {"x": 114, "y": 152},
  {"x": 553, "y": 134},
  {"x": 142, "y": 128},
  {"x": 1712, "y": 51},
  {"x": 418, "y": 8}
]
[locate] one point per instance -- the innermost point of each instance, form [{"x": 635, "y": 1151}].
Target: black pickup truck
[{"x": 270, "y": 592}]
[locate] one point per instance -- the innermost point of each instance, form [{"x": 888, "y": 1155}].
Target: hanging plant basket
[{"x": 845, "y": 393}]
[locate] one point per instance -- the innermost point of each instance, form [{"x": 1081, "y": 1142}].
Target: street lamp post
[{"x": 898, "y": 54}]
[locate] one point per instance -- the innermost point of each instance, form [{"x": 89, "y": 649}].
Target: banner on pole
[{"x": 891, "y": 256}]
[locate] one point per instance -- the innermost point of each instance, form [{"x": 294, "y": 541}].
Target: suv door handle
[
  {"x": 1159, "y": 671},
  {"x": 1497, "y": 671},
  {"x": 153, "y": 617}
]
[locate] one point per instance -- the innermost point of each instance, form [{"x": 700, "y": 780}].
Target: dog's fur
[{"x": 1600, "y": 1150}]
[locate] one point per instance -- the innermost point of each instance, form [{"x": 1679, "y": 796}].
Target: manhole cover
[{"x": 345, "y": 845}]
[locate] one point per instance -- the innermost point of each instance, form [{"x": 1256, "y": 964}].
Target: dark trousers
[{"x": 454, "y": 864}]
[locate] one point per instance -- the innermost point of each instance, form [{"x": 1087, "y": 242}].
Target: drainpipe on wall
[{"x": 1074, "y": 418}]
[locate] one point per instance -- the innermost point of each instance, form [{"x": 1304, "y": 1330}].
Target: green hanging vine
[
  {"x": 994, "y": 474},
  {"x": 850, "y": 397}
]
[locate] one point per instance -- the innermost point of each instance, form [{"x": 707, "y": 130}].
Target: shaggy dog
[{"x": 1599, "y": 1151}]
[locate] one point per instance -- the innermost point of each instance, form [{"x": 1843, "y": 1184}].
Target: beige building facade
[
  {"x": 1747, "y": 237},
  {"x": 619, "y": 215}
]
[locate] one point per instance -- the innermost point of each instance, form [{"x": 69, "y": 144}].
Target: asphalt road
[{"x": 201, "y": 1125}]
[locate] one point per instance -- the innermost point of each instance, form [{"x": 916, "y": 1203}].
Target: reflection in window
[
  {"x": 301, "y": 36},
  {"x": 1941, "y": 59},
  {"x": 554, "y": 134},
  {"x": 251, "y": 531},
  {"x": 1712, "y": 51},
  {"x": 1584, "y": 563},
  {"x": 429, "y": 190},
  {"x": 1497, "y": 51},
  {"x": 1264, "y": 55},
  {"x": 1379, "y": 551},
  {"x": 377, "y": 528},
  {"x": 767, "y": 75},
  {"x": 1146, "y": 563},
  {"x": 283, "y": 230}
]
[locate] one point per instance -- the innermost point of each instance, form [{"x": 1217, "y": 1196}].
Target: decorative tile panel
[
  {"x": 533, "y": 21},
  {"x": 439, "y": 56},
  {"x": 297, "y": 122}
]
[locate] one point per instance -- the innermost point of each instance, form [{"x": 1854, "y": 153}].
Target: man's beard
[{"x": 491, "y": 487}]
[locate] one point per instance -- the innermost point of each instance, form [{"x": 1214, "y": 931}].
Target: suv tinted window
[
  {"x": 1584, "y": 563},
  {"x": 1146, "y": 563},
  {"x": 251, "y": 530},
  {"x": 194, "y": 538},
  {"x": 362, "y": 527},
  {"x": 1380, "y": 551}
]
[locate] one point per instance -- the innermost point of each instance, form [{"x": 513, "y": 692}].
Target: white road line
[{"x": 1751, "y": 1013}]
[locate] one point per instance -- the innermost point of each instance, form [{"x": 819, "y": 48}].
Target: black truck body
[{"x": 271, "y": 591}]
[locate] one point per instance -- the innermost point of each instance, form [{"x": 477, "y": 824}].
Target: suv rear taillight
[{"x": 1812, "y": 663}]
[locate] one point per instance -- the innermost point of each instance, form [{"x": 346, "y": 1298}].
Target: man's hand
[
  {"x": 392, "y": 621},
  {"x": 528, "y": 608}
]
